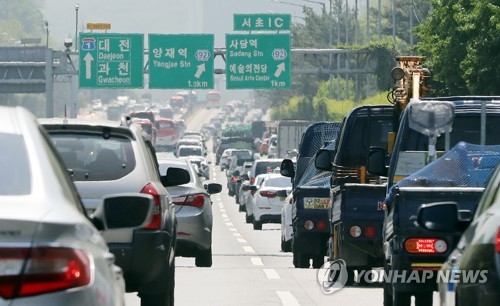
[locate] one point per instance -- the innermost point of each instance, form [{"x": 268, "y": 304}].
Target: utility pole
[
  {"x": 368, "y": 20},
  {"x": 76, "y": 26}
]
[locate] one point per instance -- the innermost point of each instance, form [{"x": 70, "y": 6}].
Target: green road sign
[
  {"x": 111, "y": 60},
  {"x": 258, "y": 61},
  {"x": 181, "y": 61},
  {"x": 261, "y": 22}
]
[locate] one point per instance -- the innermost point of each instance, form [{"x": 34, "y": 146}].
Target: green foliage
[
  {"x": 322, "y": 108},
  {"x": 461, "y": 41},
  {"x": 20, "y": 19}
]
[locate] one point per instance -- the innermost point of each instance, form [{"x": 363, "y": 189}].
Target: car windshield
[
  {"x": 15, "y": 173},
  {"x": 90, "y": 157}
]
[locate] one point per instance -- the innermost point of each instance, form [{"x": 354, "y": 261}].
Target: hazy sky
[{"x": 159, "y": 16}]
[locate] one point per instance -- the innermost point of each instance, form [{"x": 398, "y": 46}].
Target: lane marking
[
  {"x": 256, "y": 261},
  {"x": 287, "y": 298},
  {"x": 229, "y": 224},
  {"x": 248, "y": 249},
  {"x": 222, "y": 210},
  {"x": 232, "y": 229},
  {"x": 241, "y": 240},
  {"x": 237, "y": 234},
  {"x": 224, "y": 215},
  {"x": 271, "y": 274}
]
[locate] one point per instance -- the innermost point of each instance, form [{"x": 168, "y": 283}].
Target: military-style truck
[
  {"x": 310, "y": 196},
  {"x": 355, "y": 212},
  {"x": 427, "y": 129}
]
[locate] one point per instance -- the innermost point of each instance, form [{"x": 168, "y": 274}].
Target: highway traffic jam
[{"x": 320, "y": 201}]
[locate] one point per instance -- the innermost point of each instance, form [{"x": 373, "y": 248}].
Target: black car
[{"x": 477, "y": 255}]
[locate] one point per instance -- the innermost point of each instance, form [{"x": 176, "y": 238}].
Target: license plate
[{"x": 316, "y": 203}]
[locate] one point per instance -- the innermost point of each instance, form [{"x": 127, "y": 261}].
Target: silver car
[
  {"x": 193, "y": 209},
  {"x": 106, "y": 157},
  {"x": 51, "y": 252}
]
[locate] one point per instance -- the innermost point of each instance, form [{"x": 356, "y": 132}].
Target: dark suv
[{"x": 107, "y": 158}]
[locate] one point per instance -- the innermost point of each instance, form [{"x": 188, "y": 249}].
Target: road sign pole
[{"x": 49, "y": 84}]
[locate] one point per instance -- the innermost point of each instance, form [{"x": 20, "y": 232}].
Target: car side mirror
[
  {"x": 213, "y": 188},
  {"x": 245, "y": 177},
  {"x": 376, "y": 163},
  {"x": 127, "y": 210},
  {"x": 175, "y": 177},
  {"x": 439, "y": 216},
  {"x": 324, "y": 159},
  {"x": 287, "y": 169}
]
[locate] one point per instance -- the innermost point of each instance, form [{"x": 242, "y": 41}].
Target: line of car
[{"x": 90, "y": 212}]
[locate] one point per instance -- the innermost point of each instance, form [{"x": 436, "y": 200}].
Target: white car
[
  {"x": 273, "y": 143},
  {"x": 287, "y": 225},
  {"x": 269, "y": 198}
]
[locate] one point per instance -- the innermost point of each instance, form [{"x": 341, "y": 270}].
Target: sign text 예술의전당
[
  {"x": 183, "y": 61},
  {"x": 111, "y": 60},
  {"x": 258, "y": 61}
]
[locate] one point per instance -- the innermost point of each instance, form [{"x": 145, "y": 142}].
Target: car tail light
[
  {"x": 234, "y": 179},
  {"x": 426, "y": 246},
  {"x": 196, "y": 200},
  {"x": 308, "y": 225},
  {"x": 370, "y": 232},
  {"x": 267, "y": 194},
  {"x": 497, "y": 244},
  {"x": 252, "y": 180},
  {"x": 33, "y": 271},
  {"x": 156, "y": 218},
  {"x": 355, "y": 231}
]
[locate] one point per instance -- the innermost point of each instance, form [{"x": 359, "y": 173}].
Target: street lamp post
[
  {"x": 76, "y": 27},
  {"x": 289, "y": 3},
  {"x": 47, "y": 32},
  {"x": 317, "y": 2}
]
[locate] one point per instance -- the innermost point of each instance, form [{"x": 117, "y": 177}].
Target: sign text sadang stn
[
  {"x": 111, "y": 60},
  {"x": 258, "y": 61}
]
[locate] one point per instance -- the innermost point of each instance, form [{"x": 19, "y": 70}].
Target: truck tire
[
  {"x": 165, "y": 297},
  {"x": 387, "y": 288},
  {"x": 423, "y": 298},
  {"x": 400, "y": 298},
  {"x": 204, "y": 258},
  {"x": 318, "y": 261},
  {"x": 303, "y": 261},
  {"x": 257, "y": 225},
  {"x": 286, "y": 246},
  {"x": 248, "y": 218}
]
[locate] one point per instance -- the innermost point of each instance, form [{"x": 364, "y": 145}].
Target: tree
[{"x": 461, "y": 41}]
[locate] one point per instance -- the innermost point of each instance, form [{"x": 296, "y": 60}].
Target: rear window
[
  {"x": 266, "y": 167},
  {"x": 278, "y": 182},
  {"x": 165, "y": 124},
  {"x": 90, "y": 157},
  {"x": 242, "y": 154},
  {"x": 166, "y": 113},
  {"x": 190, "y": 152},
  {"x": 15, "y": 173}
]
